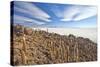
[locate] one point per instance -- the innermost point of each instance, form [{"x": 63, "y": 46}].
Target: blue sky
[{"x": 35, "y": 14}]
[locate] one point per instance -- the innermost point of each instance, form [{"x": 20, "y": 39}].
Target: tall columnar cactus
[{"x": 42, "y": 47}]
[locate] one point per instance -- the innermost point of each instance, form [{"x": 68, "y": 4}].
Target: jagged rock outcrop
[{"x": 29, "y": 46}]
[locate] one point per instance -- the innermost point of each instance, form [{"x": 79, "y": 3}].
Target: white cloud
[
  {"x": 22, "y": 19},
  {"x": 69, "y": 13},
  {"x": 77, "y": 13},
  {"x": 16, "y": 17},
  {"x": 41, "y": 18},
  {"x": 72, "y": 13},
  {"x": 86, "y": 13},
  {"x": 32, "y": 10}
]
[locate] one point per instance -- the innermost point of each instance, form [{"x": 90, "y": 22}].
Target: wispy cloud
[
  {"x": 86, "y": 12},
  {"x": 54, "y": 15},
  {"x": 69, "y": 13},
  {"x": 21, "y": 19},
  {"x": 17, "y": 17},
  {"x": 77, "y": 13},
  {"x": 32, "y": 10}
]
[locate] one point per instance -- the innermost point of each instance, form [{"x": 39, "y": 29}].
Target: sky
[{"x": 53, "y": 15}]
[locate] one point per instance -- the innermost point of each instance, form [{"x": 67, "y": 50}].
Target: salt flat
[{"x": 90, "y": 33}]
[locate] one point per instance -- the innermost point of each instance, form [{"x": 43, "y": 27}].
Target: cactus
[{"x": 42, "y": 47}]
